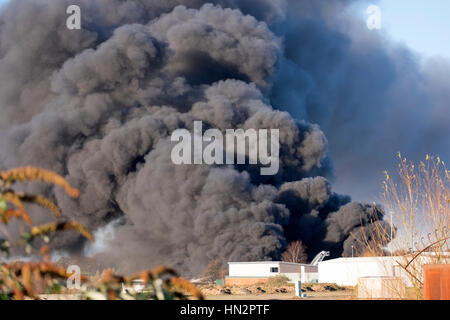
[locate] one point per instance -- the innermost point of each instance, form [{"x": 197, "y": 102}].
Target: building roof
[
  {"x": 379, "y": 258},
  {"x": 360, "y": 259},
  {"x": 269, "y": 262}
]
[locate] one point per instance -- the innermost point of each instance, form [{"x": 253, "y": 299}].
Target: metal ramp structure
[{"x": 319, "y": 257}]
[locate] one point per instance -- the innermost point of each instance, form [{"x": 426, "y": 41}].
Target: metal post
[{"x": 298, "y": 288}]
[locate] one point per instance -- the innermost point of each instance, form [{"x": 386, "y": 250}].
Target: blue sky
[{"x": 423, "y": 25}]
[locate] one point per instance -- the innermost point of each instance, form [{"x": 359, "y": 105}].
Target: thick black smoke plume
[{"x": 98, "y": 105}]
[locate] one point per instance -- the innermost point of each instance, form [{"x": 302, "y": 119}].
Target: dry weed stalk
[
  {"x": 417, "y": 201},
  {"x": 161, "y": 283},
  {"x": 20, "y": 280}
]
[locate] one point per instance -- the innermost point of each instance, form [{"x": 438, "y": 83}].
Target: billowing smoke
[
  {"x": 99, "y": 104},
  {"x": 371, "y": 97}
]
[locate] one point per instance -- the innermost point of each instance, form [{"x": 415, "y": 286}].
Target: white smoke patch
[
  {"x": 20, "y": 258},
  {"x": 103, "y": 237},
  {"x": 57, "y": 255}
]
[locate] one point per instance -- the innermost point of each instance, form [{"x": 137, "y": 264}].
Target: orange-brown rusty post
[{"x": 436, "y": 282}]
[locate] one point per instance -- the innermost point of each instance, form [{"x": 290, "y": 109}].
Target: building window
[{"x": 274, "y": 270}]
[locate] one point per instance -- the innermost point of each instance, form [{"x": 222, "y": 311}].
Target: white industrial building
[
  {"x": 245, "y": 273},
  {"x": 346, "y": 271},
  {"x": 342, "y": 271},
  {"x": 252, "y": 272}
]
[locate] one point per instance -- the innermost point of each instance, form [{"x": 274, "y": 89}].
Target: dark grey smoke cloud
[
  {"x": 98, "y": 105},
  {"x": 371, "y": 97}
]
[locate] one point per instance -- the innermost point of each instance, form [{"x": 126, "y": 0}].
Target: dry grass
[
  {"x": 278, "y": 286},
  {"x": 417, "y": 203},
  {"x": 26, "y": 280},
  {"x": 278, "y": 281}
]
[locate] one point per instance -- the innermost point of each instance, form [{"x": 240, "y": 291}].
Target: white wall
[
  {"x": 293, "y": 277},
  {"x": 293, "y": 271},
  {"x": 310, "y": 277},
  {"x": 256, "y": 270},
  {"x": 346, "y": 271}
]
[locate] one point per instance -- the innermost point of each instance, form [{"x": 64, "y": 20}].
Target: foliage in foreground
[
  {"x": 26, "y": 280},
  {"x": 417, "y": 198}
]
